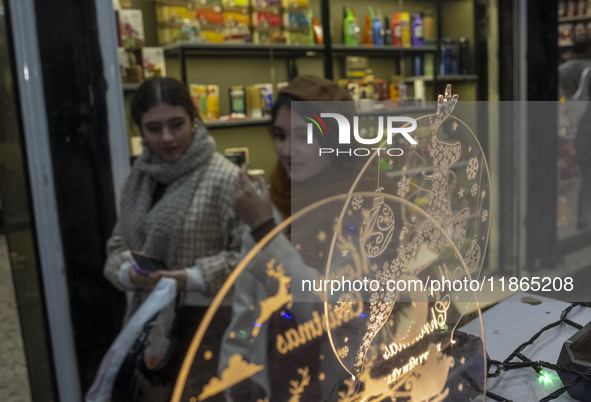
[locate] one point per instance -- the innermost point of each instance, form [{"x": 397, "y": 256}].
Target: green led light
[
  {"x": 442, "y": 326},
  {"x": 544, "y": 377}
]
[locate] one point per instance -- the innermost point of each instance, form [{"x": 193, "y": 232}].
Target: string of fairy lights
[{"x": 540, "y": 367}]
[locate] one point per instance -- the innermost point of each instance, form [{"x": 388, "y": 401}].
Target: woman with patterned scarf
[{"x": 176, "y": 206}]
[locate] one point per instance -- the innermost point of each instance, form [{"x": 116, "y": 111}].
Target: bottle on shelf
[
  {"x": 464, "y": 66},
  {"x": 417, "y": 31},
  {"x": 368, "y": 31},
  {"x": 387, "y": 32},
  {"x": 378, "y": 32},
  {"x": 405, "y": 29},
  {"x": 396, "y": 30},
  {"x": 429, "y": 34},
  {"x": 350, "y": 29}
]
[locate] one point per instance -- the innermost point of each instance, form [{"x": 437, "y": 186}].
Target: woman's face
[
  {"x": 300, "y": 160},
  {"x": 167, "y": 130}
]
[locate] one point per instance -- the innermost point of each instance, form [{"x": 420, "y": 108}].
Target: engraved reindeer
[{"x": 279, "y": 299}]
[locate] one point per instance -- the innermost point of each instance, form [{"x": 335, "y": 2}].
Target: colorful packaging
[
  {"x": 265, "y": 3},
  {"x": 295, "y": 3},
  {"x": 207, "y": 16},
  {"x": 237, "y": 16},
  {"x": 235, "y": 3},
  {"x": 266, "y": 91},
  {"x": 405, "y": 29},
  {"x": 237, "y": 99},
  {"x": 153, "y": 62},
  {"x": 253, "y": 102},
  {"x": 213, "y": 102},
  {"x": 199, "y": 97},
  {"x": 172, "y": 15},
  {"x": 131, "y": 25}
]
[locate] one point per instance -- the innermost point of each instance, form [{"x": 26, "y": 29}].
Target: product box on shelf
[
  {"x": 199, "y": 97},
  {"x": 153, "y": 62},
  {"x": 131, "y": 25},
  {"x": 237, "y": 100},
  {"x": 265, "y": 3},
  {"x": 295, "y": 3},
  {"x": 213, "y": 102},
  {"x": 211, "y": 22},
  {"x": 266, "y": 26},
  {"x": 297, "y": 22},
  {"x": 124, "y": 3},
  {"x": 209, "y": 15},
  {"x": 173, "y": 15},
  {"x": 169, "y": 35},
  {"x": 207, "y": 2},
  {"x": 235, "y": 3}
]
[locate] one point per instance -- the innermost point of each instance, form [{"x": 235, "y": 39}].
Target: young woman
[
  {"x": 300, "y": 178},
  {"x": 176, "y": 206}
]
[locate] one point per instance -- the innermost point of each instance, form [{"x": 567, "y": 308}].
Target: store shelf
[
  {"x": 398, "y": 111},
  {"x": 212, "y": 125},
  {"x": 446, "y": 78},
  {"x": 576, "y": 18},
  {"x": 343, "y": 50},
  {"x": 241, "y": 49},
  {"x": 130, "y": 87}
]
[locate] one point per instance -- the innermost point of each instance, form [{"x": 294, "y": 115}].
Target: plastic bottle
[
  {"x": 387, "y": 32},
  {"x": 396, "y": 30},
  {"x": 418, "y": 66},
  {"x": 350, "y": 28},
  {"x": 417, "y": 31},
  {"x": 429, "y": 28},
  {"x": 378, "y": 32},
  {"x": 368, "y": 31},
  {"x": 405, "y": 29}
]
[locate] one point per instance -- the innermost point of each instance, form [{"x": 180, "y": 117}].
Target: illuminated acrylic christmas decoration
[{"x": 411, "y": 220}]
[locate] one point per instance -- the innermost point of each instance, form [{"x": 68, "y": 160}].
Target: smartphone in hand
[{"x": 145, "y": 265}]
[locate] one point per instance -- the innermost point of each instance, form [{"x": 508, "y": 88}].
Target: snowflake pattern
[
  {"x": 344, "y": 306},
  {"x": 455, "y": 125},
  {"x": 484, "y": 215},
  {"x": 474, "y": 190},
  {"x": 483, "y": 194},
  {"x": 356, "y": 203},
  {"x": 343, "y": 352},
  {"x": 461, "y": 192},
  {"x": 403, "y": 187},
  {"x": 472, "y": 168}
]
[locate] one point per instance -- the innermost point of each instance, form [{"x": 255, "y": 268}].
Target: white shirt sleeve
[
  {"x": 124, "y": 275},
  {"x": 195, "y": 279}
]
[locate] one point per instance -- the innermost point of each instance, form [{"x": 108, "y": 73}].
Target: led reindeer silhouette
[{"x": 275, "y": 302}]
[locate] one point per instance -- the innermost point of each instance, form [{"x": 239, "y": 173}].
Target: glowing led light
[
  {"x": 442, "y": 326},
  {"x": 363, "y": 315},
  {"x": 242, "y": 332},
  {"x": 544, "y": 377},
  {"x": 351, "y": 227},
  {"x": 256, "y": 324},
  {"x": 284, "y": 314}
]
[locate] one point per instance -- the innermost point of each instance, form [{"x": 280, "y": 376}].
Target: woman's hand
[
  {"x": 146, "y": 282},
  {"x": 254, "y": 208},
  {"x": 180, "y": 275}
]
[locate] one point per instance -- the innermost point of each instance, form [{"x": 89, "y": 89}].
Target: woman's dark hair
[{"x": 161, "y": 89}]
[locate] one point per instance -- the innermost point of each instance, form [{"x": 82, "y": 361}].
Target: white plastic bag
[{"x": 160, "y": 298}]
